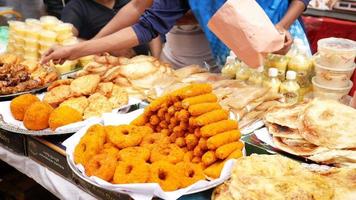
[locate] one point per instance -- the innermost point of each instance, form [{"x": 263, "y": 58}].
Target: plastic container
[
  {"x": 48, "y": 37},
  {"x": 276, "y": 61},
  {"x": 63, "y": 29},
  {"x": 49, "y": 22},
  {"x": 33, "y": 32},
  {"x": 333, "y": 77},
  {"x": 63, "y": 37},
  {"x": 31, "y": 57},
  {"x": 272, "y": 82},
  {"x": 325, "y": 92},
  {"x": 70, "y": 41},
  {"x": 230, "y": 68},
  {"x": 33, "y": 22},
  {"x": 290, "y": 88},
  {"x": 19, "y": 40},
  {"x": 337, "y": 52},
  {"x": 32, "y": 44},
  {"x": 303, "y": 67}
]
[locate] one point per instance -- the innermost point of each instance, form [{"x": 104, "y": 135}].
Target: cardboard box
[{"x": 13, "y": 141}]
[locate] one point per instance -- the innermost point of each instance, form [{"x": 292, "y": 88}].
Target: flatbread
[
  {"x": 329, "y": 124},
  {"x": 285, "y": 116},
  {"x": 297, "y": 147},
  {"x": 283, "y": 131},
  {"x": 334, "y": 157}
]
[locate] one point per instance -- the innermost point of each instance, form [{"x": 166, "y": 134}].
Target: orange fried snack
[
  {"x": 201, "y": 108},
  {"x": 204, "y": 98},
  {"x": 220, "y": 139},
  {"x": 129, "y": 153},
  {"x": 62, "y": 116},
  {"x": 20, "y": 104},
  {"x": 192, "y": 141},
  {"x": 225, "y": 150},
  {"x": 214, "y": 170},
  {"x": 235, "y": 155},
  {"x": 37, "y": 115},
  {"x": 165, "y": 174},
  {"x": 211, "y": 117},
  {"x": 193, "y": 90},
  {"x": 218, "y": 127},
  {"x": 208, "y": 158},
  {"x": 171, "y": 153},
  {"x": 101, "y": 165},
  {"x": 190, "y": 173},
  {"x": 139, "y": 121},
  {"x": 124, "y": 135},
  {"x": 131, "y": 171}
]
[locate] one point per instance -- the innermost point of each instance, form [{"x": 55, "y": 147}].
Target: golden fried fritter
[
  {"x": 37, "y": 115},
  {"x": 20, "y": 104},
  {"x": 62, "y": 116},
  {"x": 79, "y": 104},
  {"x": 85, "y": 85}
]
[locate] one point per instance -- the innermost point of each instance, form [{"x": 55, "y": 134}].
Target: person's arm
[
  {"x": 156, "y": 47},
  {"x": 127, "y": 16}
]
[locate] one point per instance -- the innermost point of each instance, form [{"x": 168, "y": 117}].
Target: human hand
[
  {"x": 288, "y": 41},
  {"x": 58, "y": 54}
]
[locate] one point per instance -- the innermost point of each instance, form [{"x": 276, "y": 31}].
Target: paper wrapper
[
  {"x": 142, "y": 191},
  {"x": 246, "y": 29},
  {"x": 5, "y": 112}
]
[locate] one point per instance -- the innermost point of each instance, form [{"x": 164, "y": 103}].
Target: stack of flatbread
[
  {"x": 322, "y": 130},
  {"x": 261, "y": 177}
]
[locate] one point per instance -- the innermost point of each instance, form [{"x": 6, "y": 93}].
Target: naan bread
[
  {"x": 185, "y": 72},
  {"x": 285, "y": 116},
  {"x": 329, "y": 124},
  {"x": 139, "y": 70},
  {"x": 297, "y": 147},
  {"x": 283, "y": 131},
  {"x": 335, "y": 157}
]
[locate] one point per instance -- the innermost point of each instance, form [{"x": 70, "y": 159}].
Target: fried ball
[
  {"x": 180, "y": 142},
  {"x": 124, "y": 136},
  {"x": 171, "y": 153},
  {"x": 37, "y": 115},
  {"x": 188, "y": 156},
  {"x": 101, "y": 165},
  {"x": 165, "y": 174},
  {"x": 20, "y": 104},
  {"x": 90, "y": 144},
  {"x": 190, "y": 173},
  {"x": 135, "y": 152},
  {"x": 62, "y": 116},
  {"x": 191, "y": 140},
  {"x": 131, "y": 171}
]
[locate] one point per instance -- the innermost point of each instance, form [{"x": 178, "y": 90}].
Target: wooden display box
[{"x": 13, "y": 141}]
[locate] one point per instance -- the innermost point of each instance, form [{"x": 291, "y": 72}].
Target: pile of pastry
[
  {"x": 261, "y": 177},
  {"x": 86, "y": 94},
  {"x": 322, "y": 130}
]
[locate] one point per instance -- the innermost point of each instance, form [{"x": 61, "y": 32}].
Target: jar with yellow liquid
[
  {"x": 290, "y": 88},
  {"x": 279, "y": 62},
  {"x": 273, "y": 81},
  {"x": 257, "y": 77},
  {"x": 243, "y": 72}
]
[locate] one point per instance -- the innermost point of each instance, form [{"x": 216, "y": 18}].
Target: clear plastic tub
[
  {"x": 33, "y": 32},
  {"x": 49, "y": 22},
  {"x": 332, "y": 77},
  {"x": 337, "y": 52},
  {"x": 63, "y": 29},
  {"x": 31, "y": 57},
  {"x": 48, "y": 36},
  {"x": 63, "y": 37},
  {"x": 33, "y": 22},
  {"x": 31, "y": 44},
  {"x": 324, "y": 92}
]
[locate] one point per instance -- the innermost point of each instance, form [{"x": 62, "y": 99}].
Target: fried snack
[
  {"x": 202, "y": 108},
  {"x": 59, "y": 83},
  {"x": 171, "y": 153},
  {"x": 198, "y": 152},
  {"x": 155, "y": 139},
  {"x": 208, "y": 158},
  {"x": 20, "y": 104},
  {"x": 220, "y": 139},
  {"x": 214, "y": 170},
  {"x": 225, "y": 150},
  {"x": 119, "y": 97},
  {"x": 157, "y": 103},
  {"x": 190, "y": 173},
  {"x": 180, "y": 142},
  {"x": 202, "y": 144},
  {"x": 62, "y": 116},
  {"x": 110, "y": 148},
  {"x": 123, "y": 136},
  {"x": 192, "y": 141},
  {"x": 139, "y": 121},
  {"x": 205, "y": 98},
  {"x": 218, "y": 127},
  {"x": 131, "y": 171},
  {"x": 211, "y": 117},
  {"x": 85, "y": 85},
  {"x": 90, "y": 144},
  {"x": 196, "y": 159},
  {"x": 188, "y": 156},
  {"x": 57, "y": 95},
  {"x": 79, "y": 104},
  {"x": 134, "y": 152},
  {"x": 183, "y": 115},
  {"x": 98, "y": 104},
  {"x": 235, "y": 155},
  {"x": 37, "y": 115},
  {"x": 105, "y": 89},
  {"x": 165, "y": 174},
  {"x": 193, "y": 90},
  {"x": 101, "y": 165}
]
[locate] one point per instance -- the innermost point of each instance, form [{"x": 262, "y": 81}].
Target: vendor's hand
[
  {"x": 58, "y": 55},
  {"x": 288, "y": 41}
]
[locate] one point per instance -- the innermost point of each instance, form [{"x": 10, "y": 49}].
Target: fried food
[
  {"x": 37, "y": 115},
  {"x": 105, "y": 88},
  {"x": 204, "y": 98},
  {"x": 20, "y": 104},
  {"x": 188, "y": 156},
  {"x": 218, "y": 127},
  {"x": 225, "y": 150},
  {"x": 85, "y": 85},
  {"x": 129, "y": 153},
  {"x": 139, "y": 121},
  {"x": 98, "y": 104},
  {"x": 154, "y": 139},
  {"x": 62, "y": 116},
  {"x": 211, "y": 117},
  {"x": 119, "y": 97},
  {"x": 202, "y": 108},
  {"x": 59, "y": 83},
  {"x": 165, "y": 174},
  {"x": 208, "y": 158},
  {"x": 235, "y": 155},
  {"x": 131, "y": 171},
  {"x": 124, "y": 136},
  {"x": 90, "y": 144},
  {"x": 171, "y": 153},
  {"x": 79, "y": 104},
  {"x": 214, "y": 170},
  {"x": 102, "y": 166},
  {"x": 193, "y": 90},
  {"x": 220, "y": 139},
  {"x": 57, "y": 95},
  {"x": 191, "y": 173}
]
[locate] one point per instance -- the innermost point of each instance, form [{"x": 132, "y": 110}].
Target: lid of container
[
  {"x": 291, "y": 75},
  {"x": 272, "y": 72},
  {"x": 230, "y": 60},
  {"x": 337, "y": 44},
  {"x": 316, "y": 63},
  {"x": 48, "y": 19},
  {"x": 315, "y": 83}
]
